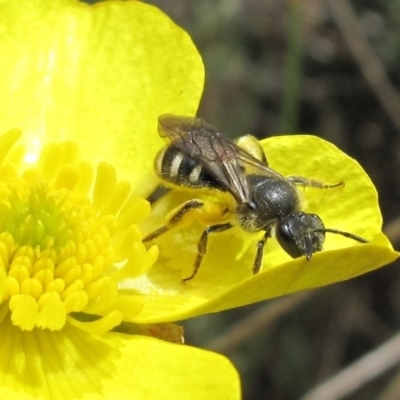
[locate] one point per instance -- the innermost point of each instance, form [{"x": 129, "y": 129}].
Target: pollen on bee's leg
[{"x": 63, "y": 250}]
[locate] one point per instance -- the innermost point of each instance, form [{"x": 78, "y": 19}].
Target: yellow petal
[
  {"x": 225, "y": 278},
  {"x": 98, "y": 74},
  {"x": 71, "y": 364}
]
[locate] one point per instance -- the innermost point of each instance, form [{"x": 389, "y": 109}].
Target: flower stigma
[{"x": 68, "y": 235}]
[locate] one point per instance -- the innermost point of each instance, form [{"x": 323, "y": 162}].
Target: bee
[{"x": 200, "y": 157}]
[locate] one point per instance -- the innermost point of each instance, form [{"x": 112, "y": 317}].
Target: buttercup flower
[{"x": 82, "y": 87}]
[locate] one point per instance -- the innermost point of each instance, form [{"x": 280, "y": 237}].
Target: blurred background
[{"x": 331, "y": 68}]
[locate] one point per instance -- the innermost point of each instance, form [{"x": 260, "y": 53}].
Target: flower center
[{"x": 63, "y": 250}]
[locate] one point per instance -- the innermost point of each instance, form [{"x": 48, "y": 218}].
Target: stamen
[{"x": 62, "y": 250}]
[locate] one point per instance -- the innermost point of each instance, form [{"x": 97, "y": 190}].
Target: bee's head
[{"x": 302, "y": 234}]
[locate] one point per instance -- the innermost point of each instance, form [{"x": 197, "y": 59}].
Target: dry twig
[
  {"x": 359, "y": 373},
  {"x": 268, "y": 314},
  {"x": 370, "y": 66}
]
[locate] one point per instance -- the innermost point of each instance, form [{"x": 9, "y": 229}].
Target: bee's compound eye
[
  {"x": 286, "y": 233},
  {"x": 297, "y": 234}
]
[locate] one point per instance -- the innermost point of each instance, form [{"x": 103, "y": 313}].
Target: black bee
[{"x": 259, "y": 198}]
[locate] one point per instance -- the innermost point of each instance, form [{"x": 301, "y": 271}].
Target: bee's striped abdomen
[{"x": 173, "y": 166}]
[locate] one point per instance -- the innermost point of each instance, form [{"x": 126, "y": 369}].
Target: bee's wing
[
  {"x": 253, "y": 165},
  {"x": 176, "y": 127},
  {"x": 211, "y": 149}
]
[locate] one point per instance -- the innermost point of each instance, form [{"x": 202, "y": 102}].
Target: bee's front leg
[{"x": 260, "y": 250}]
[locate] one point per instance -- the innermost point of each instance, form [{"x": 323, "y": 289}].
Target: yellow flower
[{"x": 82, "y": 87}]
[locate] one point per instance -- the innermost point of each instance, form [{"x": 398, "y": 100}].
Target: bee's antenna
[{"x": 346, "y": 234}]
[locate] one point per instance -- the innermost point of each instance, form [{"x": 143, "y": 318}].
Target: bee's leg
[
  {"x": 299, "y": 180},
  {"x": 260, "y": 250},
  {"x": 202, "y": 246},
  {"x": 176, "y": 218},
  {"x": 157, "y": 193}
]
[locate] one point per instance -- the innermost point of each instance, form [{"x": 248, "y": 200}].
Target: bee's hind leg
[
  {"x": 300, "y": 180},
  {"x": 202, "y": 246},
  {"x": 177, "y": 217}
]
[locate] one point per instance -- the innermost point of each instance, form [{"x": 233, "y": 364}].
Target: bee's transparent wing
[
  {"x": 211, "y": 149},
  {"x": 253, "y": 165}
]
